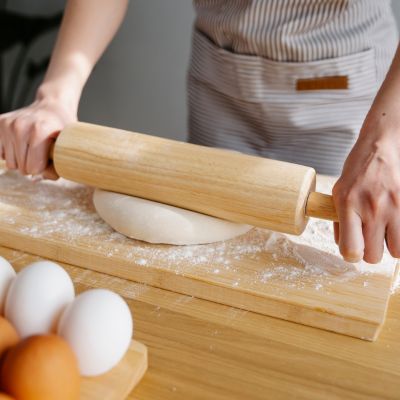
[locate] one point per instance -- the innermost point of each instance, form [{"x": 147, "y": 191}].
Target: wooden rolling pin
[{"x": 225, "y": 184}]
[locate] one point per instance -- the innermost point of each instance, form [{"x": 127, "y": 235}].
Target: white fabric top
[
  {"x": 295, "y": 30},
  {"x": 247, "y": 56}
]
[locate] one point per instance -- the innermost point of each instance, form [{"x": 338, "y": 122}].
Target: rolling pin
[{"x": 237, "y": 187}]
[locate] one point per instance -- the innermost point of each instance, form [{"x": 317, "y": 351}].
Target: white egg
[
  {"x": 7, "y": 274},
  {"x": 37, "y": 297},
  {"x": 98, "y": 326}
]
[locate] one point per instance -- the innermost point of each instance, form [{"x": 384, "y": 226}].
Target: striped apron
[{"x": 287, "y": 79}]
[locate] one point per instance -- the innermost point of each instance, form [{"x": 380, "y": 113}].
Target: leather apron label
[{"x": 323, "y": 83}]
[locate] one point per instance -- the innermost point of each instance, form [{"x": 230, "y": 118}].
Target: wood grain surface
[
  {"x": 226, "y": 184},
  {"x": 202, "y": 350},
  {"x": 121, "y": 380},
  {"x": 321, "y": 206},
  {"x": 258, "y": 272}
]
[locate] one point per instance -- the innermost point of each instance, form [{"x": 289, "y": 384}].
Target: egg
[
  {"x": 4, "y": 396},
  {"x": 8, "y": 335},
  {"x": 98, "y": 326},
  {"x": 37, "y": 297},
  {"x": 41, "y": 367},
  {"x": 7, "y": 274}
]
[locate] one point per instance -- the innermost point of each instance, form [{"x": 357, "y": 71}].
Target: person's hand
[
  {"x": 26, "y": 136},
  {"x": 367, "y": 195}
]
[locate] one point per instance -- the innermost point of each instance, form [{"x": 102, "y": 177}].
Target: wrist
[
  {"x": 64, "y": 95},
  {"x": 381, "y": 124}
]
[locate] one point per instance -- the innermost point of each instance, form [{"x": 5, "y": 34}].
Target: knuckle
[
  {"x": 5, "y": 123},
  {"x": 345, "y": 195},
  {"x": 375, "y": 201},
  {"x": 348, "y": 199},
  {"x": 38, "y": 128},
  {"x": 18, "y": 125},
  {"x": 20, "y": 135}
]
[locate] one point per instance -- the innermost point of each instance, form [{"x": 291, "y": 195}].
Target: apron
[{"x": 287, "y": 79}]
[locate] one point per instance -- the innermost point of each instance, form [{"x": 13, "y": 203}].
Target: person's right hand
[{"x": 26, "y": 136}]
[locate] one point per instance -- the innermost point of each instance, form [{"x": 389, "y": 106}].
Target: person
[{"x": 295, "y": 80}]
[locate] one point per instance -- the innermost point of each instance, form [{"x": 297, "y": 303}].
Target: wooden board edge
[
  {"x": 311, "y": 316},
  {"x": 141, "y": 349},
  {"x": 140, "y": 368}
]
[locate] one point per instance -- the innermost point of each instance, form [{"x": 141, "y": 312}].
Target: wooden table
[{"x": 203, "y": 350}]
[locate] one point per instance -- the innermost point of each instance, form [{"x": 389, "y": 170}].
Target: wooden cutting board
[
  {"x": 120, "y": 381},
  {"x": 261, "y": 271}
]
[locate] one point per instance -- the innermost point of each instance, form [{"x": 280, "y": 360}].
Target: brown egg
[
  {"x": 41, "y": 367},
  {"x": 4, "y": 396},
  {"x": 8, "y": 335}
]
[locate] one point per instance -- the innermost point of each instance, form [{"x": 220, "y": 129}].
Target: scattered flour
[
  {"x": 64, "y": 210},
  {"x": 396, "y": 284}
]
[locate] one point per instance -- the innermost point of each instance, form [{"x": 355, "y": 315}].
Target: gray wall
[{"x": 139, "y": 84}]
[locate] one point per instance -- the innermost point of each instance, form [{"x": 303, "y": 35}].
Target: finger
[
  {"x": 336, "y": 232},
  {"x": 50, "y": 173},
  {"x": 19, "y": 137},
  {"x": 393, "y": 238},
  {"x": 2, "y": 155},
  {"x": 374, "y": 238},
  {"x": 39, "y": 149},
  {"x": 7, "y": 146},
  {"x": 9, "y": 155},
  {"x": 351, "y": 242},
  {"x": 20, "y": 152}
]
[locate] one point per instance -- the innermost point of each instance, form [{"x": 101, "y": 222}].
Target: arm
[
  {"x": 367, "y": 195},
  {"x": 86, "y": 30}
]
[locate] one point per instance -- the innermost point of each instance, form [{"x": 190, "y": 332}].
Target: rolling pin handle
[{"x": 321, "y": 206}]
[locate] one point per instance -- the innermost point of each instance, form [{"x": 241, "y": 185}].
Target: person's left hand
[{"x": 367, "y": 195}]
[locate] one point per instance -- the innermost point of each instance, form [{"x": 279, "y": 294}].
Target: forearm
[
  {"x": 87, "y": 28},
  {"x": 385, "y": 110},
  {"x": 366, "y": 195}
]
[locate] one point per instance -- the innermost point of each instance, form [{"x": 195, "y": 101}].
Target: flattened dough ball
[{"x": 160, "y": 223}]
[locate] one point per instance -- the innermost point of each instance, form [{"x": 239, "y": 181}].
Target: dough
[{"x": 160, "y": 223}]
